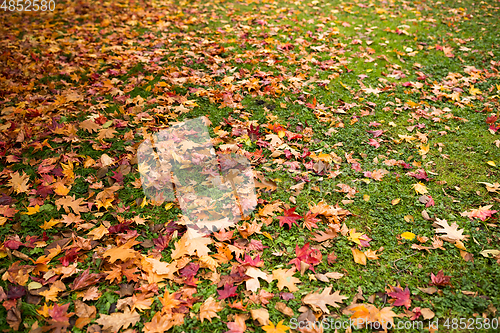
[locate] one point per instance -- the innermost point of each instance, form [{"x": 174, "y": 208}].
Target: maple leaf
[
  {"x": 106, "y": 133},
  {"x": 321, "y": 300},
  {"x": 253, "y": 284},
  {"x": 385, "y": 316},
  {"x": 330, "y": 233},
  {"x": 370, "y": 90},
  {"x": 70, "y": 202},
  {"x": 481, "y": 213},
  {"x": 374, "y": 143},
  {"x": 223, "y": 235},
  {"x": 59, "y": 318},
  {"x": 85, "y": 279},
  {"x": 310, "y": 220},
  {"x": 89, "y": 125},
  {"x": 269, "y": 209},
  {"x": 228, "y": 291},
  {"x": 83, "y": 310},
  {"x": 452, "y": 234},
  {"x": 141, "y": 302},
  {"x": 376, "y": 174},
  {"x": 52, "y": 293},
  {"x": 418, "y": 174},
  {"x": 279, "y": 328},
  {"x": 400, "y": 296},
  {"x": 440, "y": 279},
  {"x": 118, "y": 320},
  {"x": 162, "y": 322},
  {"x": 209, "y": 309},
  {"x": 359, "y": 238},
  {"x": 238, "y": 325},
  {"x": 420, "y": 188},
  {"x": 19, "y": 183},
  {"x": 33, "y": 210},
  {"x": 364, "y": 314},
  {"x": 309, "y": 256},
  {"x": 261, "y": 315},
  {"x": 98, "y": 232},
  {"x": 120, "y": 253},
  {"x": 265, "y": 296},
  {"x": 169, "y": 301},
  {"x": 289, "y": 217},
  {"x": 257, "y": 262},
  {"x": 285, "y": 279}
]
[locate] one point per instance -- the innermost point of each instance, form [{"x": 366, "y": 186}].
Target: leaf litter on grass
[{"x": 346, "y": 115}]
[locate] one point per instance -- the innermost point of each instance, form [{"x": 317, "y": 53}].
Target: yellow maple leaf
[
  {"x": 354, "y": 236},
  {"x": 32, "y": 210},
  {"x": 68, "y": 170},
  {"x": 424, "y": 149},
  {"x": 420, "y": 188},
  {"x": 474, "y": 91},
  {"x": 279, "y": 328},
  {"x": 106, "y": 202},
  {"x": 49, "y": 224},
  {"x": 44, "y": 310},
  {"x": 52, "y": 293}
]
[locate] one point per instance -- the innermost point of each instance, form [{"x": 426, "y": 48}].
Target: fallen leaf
[
  {"x": 118, "y": 320},
  {"x": 261, "y": 315},
  {"x": 321, "y": 300},
  {"x": 279, "y": 328}
]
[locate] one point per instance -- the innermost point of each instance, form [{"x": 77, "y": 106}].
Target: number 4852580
[{"x": 28, "y": 5}]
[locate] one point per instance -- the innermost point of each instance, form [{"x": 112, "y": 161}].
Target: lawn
[{"x": 370, "y": 130}]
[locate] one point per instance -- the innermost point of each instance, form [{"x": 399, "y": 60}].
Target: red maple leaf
[
  {"x": 228, "y": 291},
  {"x": 289, "y": 217},
  {"x": 430, "y": 202},
  {"x": 70, "y": 256},
  {"x": 85, "y": 280},
  {"x": 440, "y": 279},
  {"x": 161, "y": 243},
  {"x": 309, "y": 256},
  {"x": 256, "y": 245},
  {"x": 400, "y": 297},
  {"x": 190, "y": 270},
  {"x": 59, "y": 318},
  {"x": 491, "y": 119},
  {"x": 419, "y": 174},
  {"x": 12, "y": 244},
  {"x": 257, "y": 262}
]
